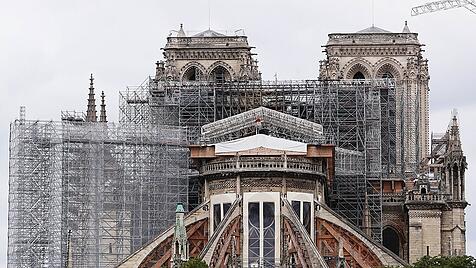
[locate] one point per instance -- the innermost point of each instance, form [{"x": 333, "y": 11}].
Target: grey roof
[
  {"x": 373, "y": 29},
  {"x": 209, "y": 33}
]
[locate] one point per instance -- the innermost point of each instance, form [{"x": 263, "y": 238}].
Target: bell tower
[
  {"x": 207, "y": 56},
  {"x": 375, "y": 53}
]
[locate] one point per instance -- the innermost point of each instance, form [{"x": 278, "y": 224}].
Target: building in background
[{"x": 351, "y": 150}]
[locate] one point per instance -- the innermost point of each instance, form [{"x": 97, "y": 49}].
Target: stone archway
[
  {"x": 391, "y": 240},
  {"x": 193, "y": 71},
  {"x": 220, "y": 74}
]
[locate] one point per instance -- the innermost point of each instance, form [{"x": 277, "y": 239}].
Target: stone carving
[{"x": 412, "y": 67}]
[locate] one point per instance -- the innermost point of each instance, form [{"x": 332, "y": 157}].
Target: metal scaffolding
[
  {"x": 112, "y": 188},
  {"x": 376, "y": 118}
]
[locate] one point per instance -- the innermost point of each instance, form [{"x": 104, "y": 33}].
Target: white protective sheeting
[{"x": 260, "y": 140}]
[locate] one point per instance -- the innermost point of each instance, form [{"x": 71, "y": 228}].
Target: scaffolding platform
[{"x": 112, "y": 188}]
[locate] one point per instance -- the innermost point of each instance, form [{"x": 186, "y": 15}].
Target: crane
[{"x": 444, "y": 5}]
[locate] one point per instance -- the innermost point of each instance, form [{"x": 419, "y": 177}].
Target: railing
[
  {"x": 235, "y": 39},
  {"x": 407, "y": 38},
  {"x": 419, "y": 197},
  {"x": 300, "y": 165},
  {"x": 389, "y": 198}
]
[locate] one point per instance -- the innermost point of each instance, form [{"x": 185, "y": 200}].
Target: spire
[
  {"x": 454, "y": 138},
  {"x": 91, "y": 112},
  {"x": 181, "y": 32},
  {"x": 405, "y": 28},
  {"x": 102, "y": 116}
]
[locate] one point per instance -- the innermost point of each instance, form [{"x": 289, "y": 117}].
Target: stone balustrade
[
  {"x": 263, "y": 164},
  {"x": 428, "y": 197},
  {"x": 393, "y": 198}
]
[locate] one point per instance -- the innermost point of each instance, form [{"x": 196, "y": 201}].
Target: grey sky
[{"x": 48, "y": 48}]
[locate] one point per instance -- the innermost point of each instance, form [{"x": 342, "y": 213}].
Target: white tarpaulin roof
[{"x": 260, "y": 140}]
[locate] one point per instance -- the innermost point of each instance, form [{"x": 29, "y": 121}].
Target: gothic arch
[
  {"x": 221, "y": 64},
  {"x": 193, "y": 66},
  {"x": 456, "y": 179},
  {"x": 393, "y": 239},
  {"x": 389, "y": 66},
  {"x": 358, "y": 65}
]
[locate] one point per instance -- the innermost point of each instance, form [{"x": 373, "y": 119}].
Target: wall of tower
[
  {"x": 424, "y": 227},
  {"x": 453, "y": 229},
  {"x": 204, "y": 54}
]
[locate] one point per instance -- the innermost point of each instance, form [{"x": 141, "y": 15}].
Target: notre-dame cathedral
[
  {"x": 421, "y": 178},
  {"x": 338, "y": 170}
]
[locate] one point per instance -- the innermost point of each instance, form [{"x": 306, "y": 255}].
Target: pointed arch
[
  {"x": 220, "y": 74},
  {"x": 389, "y": 68},
  {"x": 193, "y": 71},
  {"x": 220, "y": 68},
  {"x": 456, "y": 179},
  {"x": 358, "y": 68},
  {"x": 392, "y": 239}
]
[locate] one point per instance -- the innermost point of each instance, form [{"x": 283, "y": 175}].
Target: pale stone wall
[
  {"x": 205, "y": 53},
  {"x": 424, "y": 233},
  {"x": 453, "y": 229}
]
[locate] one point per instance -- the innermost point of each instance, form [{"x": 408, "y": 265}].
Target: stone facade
[
  {"x": 374, "y": 53},
  {"x": 424, "y": 227},
  {"x": 426, "y": 214},
  {"x": 436, "y": 200},
  {"x": 453, "y": 239},
  {"x": 208, "y": 55}
]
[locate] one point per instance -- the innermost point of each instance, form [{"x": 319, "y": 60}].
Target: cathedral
[
  {"x": 266, "y": 175},
  {"x": 210, "y": 161}
]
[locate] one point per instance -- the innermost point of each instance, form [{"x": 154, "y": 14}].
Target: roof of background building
[
  {"x": 373, "y": 29},
  {"x": 209, "y": 33}
]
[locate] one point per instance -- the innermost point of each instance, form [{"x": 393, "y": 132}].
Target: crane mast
[{"x": 444, "y": 5}]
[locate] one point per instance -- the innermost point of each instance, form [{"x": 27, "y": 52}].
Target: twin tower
[{"x": 368, "y": 54}]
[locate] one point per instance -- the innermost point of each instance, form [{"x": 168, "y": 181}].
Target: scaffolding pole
[
  {"x": 100, "y": 189},
  {"x": 377, "y": 118}
]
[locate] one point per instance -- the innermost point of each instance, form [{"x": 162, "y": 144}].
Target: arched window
[
  {"x": 423, "y": 190},
  {"x": 456, "y": 193},
  {"x": 388, "y": 71},
  {"x": 391, "y": 240},
  {"x": 192, "y": 74},
  {"x": 220, "y": 74},
  {"x": 358, "y": 75},
  {"x": 358, "y": 71},
  {"x": 387, "y": 75}
]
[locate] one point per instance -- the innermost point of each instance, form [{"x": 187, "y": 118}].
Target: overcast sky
[{"x": 48, "y": 49}]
